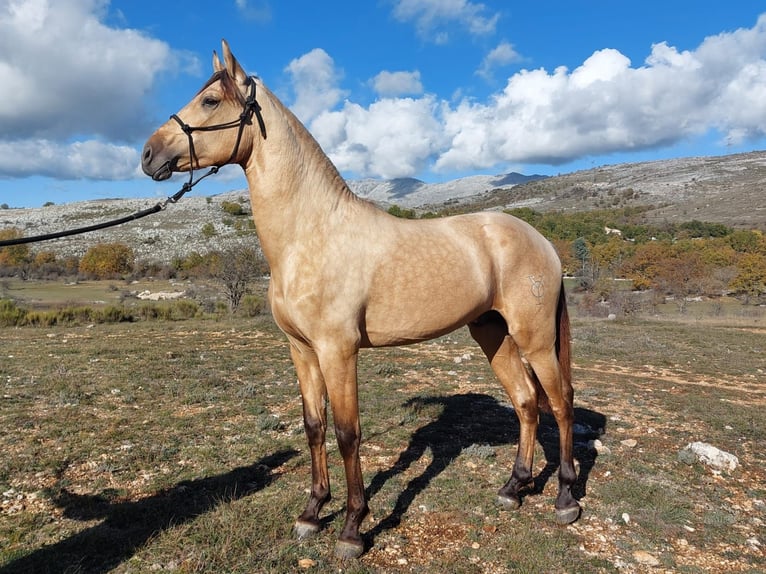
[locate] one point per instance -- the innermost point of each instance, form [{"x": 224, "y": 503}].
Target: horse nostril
[{"x": 147, "y": 153}]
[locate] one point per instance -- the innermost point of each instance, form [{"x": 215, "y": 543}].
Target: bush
[
  {"x": 107, "y": 260},
  {"x": 10, "y": 314},
  {"x": 208, "y": 230},
  {"x": 233, "y": 208},
  {"x": 14, "y": 316},
  {"x": 184, "y": 309},
  {"x": 177, "y": 310},
  {"x": 252, "y": 305}
]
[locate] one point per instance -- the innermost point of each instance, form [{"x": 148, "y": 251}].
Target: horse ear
[
  {"x": 232, "y": 66},
  {"x": 217, "y": 66}
]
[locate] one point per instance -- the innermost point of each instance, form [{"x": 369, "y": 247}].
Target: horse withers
[{"x": 346, "y": 275}]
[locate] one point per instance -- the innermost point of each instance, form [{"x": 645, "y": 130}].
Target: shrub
[
  {"x": 107, "y": 260},
  {"x": 233, "y": 208},
  {"x": 111, "y": 314},
  {"x": 14, "y": 255},
  {"x": 184, "y": 309},
  {"x": 251, "y": 305},
  {"x": 10, "y": 314},
  {"x": 208, "y": 230}
]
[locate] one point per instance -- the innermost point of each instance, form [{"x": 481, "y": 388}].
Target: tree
[
  {"x": 588, "y": 271},
  {"x": 569, "y": 264},
  {"x": 107, "y": 260},
  {"x": 403, "y": 213},
  {"x": 235, "y": 268},
  {"x": 13, "y": 256},
  {"x": 750, "y": 280},
  {"x": 642, "y": 266},
  {"x": 681, "y": 276},
  {"x": 610, "y": 254}
]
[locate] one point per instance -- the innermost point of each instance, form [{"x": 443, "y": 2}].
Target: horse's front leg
[
  {"x": 339, "y": 370},
  {"x": 314, "y": 396}
]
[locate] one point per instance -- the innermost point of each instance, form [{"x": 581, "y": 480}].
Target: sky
[{"x": 430, "y": 89}]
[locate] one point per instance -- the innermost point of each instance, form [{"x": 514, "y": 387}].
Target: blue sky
[{"x": 433, "y": 89}]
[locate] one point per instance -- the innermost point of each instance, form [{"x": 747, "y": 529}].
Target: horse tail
[
  {"x": 564, "y": 346},
  {"x": 563, "y": 354}
]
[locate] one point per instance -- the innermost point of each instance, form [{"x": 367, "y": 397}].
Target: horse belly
[{"x": 420, "y": 303}]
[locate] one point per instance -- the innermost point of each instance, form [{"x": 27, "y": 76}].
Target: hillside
[
  {"x": 725, "y": 189},
  {"x": 410, "y": 192}
]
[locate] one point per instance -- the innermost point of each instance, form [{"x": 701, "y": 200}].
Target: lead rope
[{"x": 250, "y": 107}]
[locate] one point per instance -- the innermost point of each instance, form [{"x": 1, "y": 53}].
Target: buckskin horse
[{"x": 346, "y": 275}]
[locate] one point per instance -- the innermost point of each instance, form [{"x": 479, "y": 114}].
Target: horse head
[{"x": 210, "y": 129}]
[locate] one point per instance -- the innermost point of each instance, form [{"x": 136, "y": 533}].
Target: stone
[
  {"x": 709, "y": 455},
  {"x": 598, "y": 446},
  {"x": 643, "y": 557}
]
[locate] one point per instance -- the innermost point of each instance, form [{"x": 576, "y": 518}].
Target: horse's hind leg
[
  {"x": 491, "y": 332},
  {"x": 559, "y": 393},
  {"x": 314, "y": 396}
]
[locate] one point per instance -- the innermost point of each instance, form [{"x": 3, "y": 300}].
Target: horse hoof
[
  {"x": 567, "y": 515},
  {"x": 346, "y": 550},
  {"x": 508, "y": 502},
  {"x": 304, "y": 530}
]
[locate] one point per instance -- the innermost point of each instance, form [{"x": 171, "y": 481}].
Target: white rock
[
  {"x": 598, "y": 446},
  {"x": 712, "y": 456},
  {"x": 643, "y": 557}
]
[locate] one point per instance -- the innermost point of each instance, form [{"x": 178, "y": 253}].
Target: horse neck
[{"x": 295, "y": 190}]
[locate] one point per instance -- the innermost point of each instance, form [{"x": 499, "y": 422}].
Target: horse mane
[{"x": 317, "y": 154}]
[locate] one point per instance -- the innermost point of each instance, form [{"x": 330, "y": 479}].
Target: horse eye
[{"x": 210, "y": 102}]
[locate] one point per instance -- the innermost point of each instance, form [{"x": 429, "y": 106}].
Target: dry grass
[{"x": 178, "y": 447}]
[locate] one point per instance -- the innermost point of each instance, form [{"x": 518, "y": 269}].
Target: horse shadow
[
  {"x": 474, "y": 421},
  {"x": 127, "y": 526}
]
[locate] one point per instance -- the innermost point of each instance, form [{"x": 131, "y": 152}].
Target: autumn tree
[
  {"x": 13, "y": 257},
  {"x": 681, "y": 276},
  {"x": 107, "y": 260},
  {"x": 750, "y": 281}
]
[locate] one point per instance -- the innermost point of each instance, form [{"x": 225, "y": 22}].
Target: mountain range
[{"x": 725, "y": 189}]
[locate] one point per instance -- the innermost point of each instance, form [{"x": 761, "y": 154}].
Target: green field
[{"x": 159, "y": 446}]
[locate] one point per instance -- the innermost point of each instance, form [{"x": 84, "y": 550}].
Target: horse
[{"x": 346, "y": 275}]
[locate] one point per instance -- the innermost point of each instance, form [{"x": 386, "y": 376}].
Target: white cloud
[
  {"x": 391, "y": 138},
  {"x": 431, "y": 15},
  {"x": 315, "y": 83},
  {"x": 66, "y": 75},
  {"x": 502, "y": 55},
  {"x": 397, "y": 83},
  {"x": 88, "y": 159},
  {"x": 605, "y": 105},
  {"x": 257, "y": 10},
  {"x": 63, "y": 71}
]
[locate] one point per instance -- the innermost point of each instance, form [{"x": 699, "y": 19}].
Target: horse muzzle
[{"x": 154, "y": 166}]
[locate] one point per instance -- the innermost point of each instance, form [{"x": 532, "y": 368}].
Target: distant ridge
[
  {"x": 410, "y": 192},
  {"x": 724, "y": 189}
]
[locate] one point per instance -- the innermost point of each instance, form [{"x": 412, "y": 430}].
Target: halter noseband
[{"x": 250, "y": 107}]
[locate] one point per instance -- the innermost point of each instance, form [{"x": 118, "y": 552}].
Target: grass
[{"x": 178, "y": 447}]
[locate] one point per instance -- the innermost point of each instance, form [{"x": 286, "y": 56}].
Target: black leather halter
[{"x": 250, "y": 108}]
